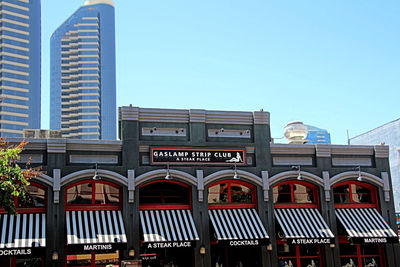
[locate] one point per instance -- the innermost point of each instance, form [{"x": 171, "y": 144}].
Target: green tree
[{"x": 13, "y": 179}]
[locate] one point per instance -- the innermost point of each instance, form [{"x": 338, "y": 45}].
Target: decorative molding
[
  {"x": 353, "y": 161},
  {"x": 128, "y": 113},
  {"x": 323, "y": 151},
  {"x": 286, "y": 161},
  {"x": 229, "y": 133},
  {"x": 265, "y": 179},
  {"x": 43, "y": 178},
  {"x": 229, "y": 117},
  {"x": 353, "y": 175},
  {"x": 381, "y": 151},
  {"x": 94, "y": 145},
  {"x": 163, "y": 115},
  {"x": 160, "y": 174},
  {"x": 352, "y": 150},
  {"x": 101, "y": 159},
  {"x": 56, "y": 185},
  {"x": 261, "y": 117},
  {"x": 386, "y": 186},
  {"x": 244, "y": 175},
  {"x": 56, "y": 145},
  {"x": 290, "y": 149},
  {"x": 197, "y": 115},
  {"x": 157, "y": 131},
  {"x": 200, "y": 184},
  {"x": 88, "y": 173},
  {"x": 292, "y": 175},
  {"x": 327, "y": 186},
  {"x": 144, "y": 149},
  {"x": 131, "y": 186},
  {"x": 250, "y": 149},
  {"x": 34, "y": 158}
]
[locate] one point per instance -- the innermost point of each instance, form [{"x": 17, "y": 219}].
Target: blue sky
[{"x": 331, "y": 64}]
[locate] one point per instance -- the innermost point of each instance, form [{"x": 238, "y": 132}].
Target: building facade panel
[{"x": 195, "y": 202}]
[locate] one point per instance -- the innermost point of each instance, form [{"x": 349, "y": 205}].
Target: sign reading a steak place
[{"x": 197, "y": 156}]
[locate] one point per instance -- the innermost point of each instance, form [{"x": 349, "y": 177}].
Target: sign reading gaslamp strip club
[{"x": 188, "y": 156}]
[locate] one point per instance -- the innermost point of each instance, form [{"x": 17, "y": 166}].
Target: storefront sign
[
  {"x": 186, "y": 244},
  {"x": 236, "y": 243},
  {"x": 96, "y": 247},
  {"x": 373, "y": 240},
  {"x": 311, "y": 241},
  {"x": 190, "y": 156},
  {"x": 15, "y": 252}
]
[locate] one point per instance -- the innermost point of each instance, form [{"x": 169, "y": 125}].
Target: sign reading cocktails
[{"x": 188, "y": 156}]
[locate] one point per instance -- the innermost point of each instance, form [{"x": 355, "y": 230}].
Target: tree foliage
[{"x": 13, "y": 179}]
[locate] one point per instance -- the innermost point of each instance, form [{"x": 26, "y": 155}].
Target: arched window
[
  {"x": 296, "y": 194},
  {"x": 232, "y": 192},
  {"x": 35, "y": 199},
  {"x": 165, "y": 195},
  {"x": 352, "y": 193},
  {"x": 93, "y": 194}
]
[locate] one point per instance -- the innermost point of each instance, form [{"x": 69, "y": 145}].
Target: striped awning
[
  {"x": 304, "y": 226},
  {"x": 27, "y": 230},
  {"x": 238, "y": 225},
  {"x": 365, "y": 226},
  {"x": 168, "y": 225},
  {"x": 95, "y": 227}
]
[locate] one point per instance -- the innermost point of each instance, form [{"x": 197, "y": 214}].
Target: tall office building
[
  {"x": 20, "y": 66},
  {"x": 83, "y": 93},
  {"x": 317, "y": 135},
  {"x": 389, "y": 134}
]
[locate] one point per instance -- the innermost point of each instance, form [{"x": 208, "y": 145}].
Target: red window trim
[
  {"x": 30, "y": 210},
  {"x": 169, "y": 206},
  {"x": 231, "y": 205},
  {"x": 374, "y": 196},
  {"x": 298, "y": 257},
  {"x": 294, "y": 205},
  {"x": 70, "y": 207}
]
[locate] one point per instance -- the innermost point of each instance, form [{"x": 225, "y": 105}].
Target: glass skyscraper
[
  {"x": 83, "y": 88},
  {"x": 389, "y": 134},
  {"x": 317, "y": 136},
  {"x": 20, "y": 66}
]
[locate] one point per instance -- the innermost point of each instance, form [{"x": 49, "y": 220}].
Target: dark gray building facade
[{"x": 206, "y": 188}]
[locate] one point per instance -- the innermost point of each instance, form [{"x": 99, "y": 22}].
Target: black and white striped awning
[
  {"x": 366, "y": 226},
  {"x": 25, "y": 230},
  {"x": 168, "y": 226},
  {"x": 304, "y": 226},
  {"x": 95, "y": 230},
  {"x": 238, "y": 227}
]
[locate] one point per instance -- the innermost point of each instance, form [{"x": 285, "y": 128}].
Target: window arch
[
  {"x": 355, "y": 194},
  {"x": 295, "y": 194},
  {"x": 162, "y": 194},
  {"x": 93, "y": 195},
  {"x": 232, "y": 193}
]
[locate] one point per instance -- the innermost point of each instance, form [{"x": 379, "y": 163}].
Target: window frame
[
  {"x": 292, "y": 204},
  {"x": 230, "y": 205},
  {"x": 93, "y": 206},
  {"x": 169, "y": 206},
  {"x": 374, "y": 196},
  {"x": 30, "y": 209}
]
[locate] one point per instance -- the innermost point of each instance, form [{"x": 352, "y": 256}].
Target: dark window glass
[
  {"x": 294, "y": 193},
  {"x": 35, "y": 197},
  {"x": 79, "y": 194},
  {"x": 342, "y": 194},
  {"x": 229, "y": 192},
  {"x": 352, "y": 193},
  {"x": 93, "y": 193},
  {"x": 164, "y": 193}
]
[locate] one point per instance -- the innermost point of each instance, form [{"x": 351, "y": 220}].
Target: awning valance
[
  {"x": 304, "y": 226},
  {"x": 238, "y": 226},
  {"x": 25, "y": 230},
  {"x": 95, "y": 230},
  {"x": 366, "y": 226},
  {"x": 175, "y": 227}
]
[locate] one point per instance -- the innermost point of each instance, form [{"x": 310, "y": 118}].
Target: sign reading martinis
[{"x": 164, "y": 155}]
